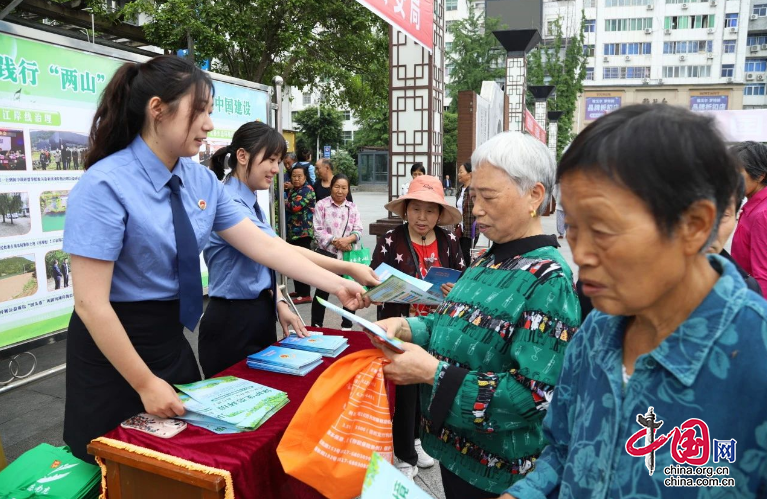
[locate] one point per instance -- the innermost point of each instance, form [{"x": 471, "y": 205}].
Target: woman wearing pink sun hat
[{"x": 414, "y": 247}]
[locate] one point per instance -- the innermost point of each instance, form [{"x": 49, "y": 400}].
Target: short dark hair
[
  {"x": 753, "y": 158},
  {"x": 337, "y": 177},
  {"x": 668, "y": 156},
  {"x": 467, "y": 166},
  {"x": 304, "y": 154},
  {"x": 416, "y": 167}
]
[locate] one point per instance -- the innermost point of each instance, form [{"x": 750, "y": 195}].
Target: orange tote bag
[{"x": 344, "y": 418}]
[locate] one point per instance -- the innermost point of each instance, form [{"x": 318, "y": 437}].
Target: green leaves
[
  {"x": 561, "y": 63},
  {"x": 327, "y": 124}
]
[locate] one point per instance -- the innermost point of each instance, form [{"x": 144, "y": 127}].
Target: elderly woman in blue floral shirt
[{"x": 666, "y": 382}]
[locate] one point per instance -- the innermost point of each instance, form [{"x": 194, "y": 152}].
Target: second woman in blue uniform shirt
[{"x": 240, "y": 316}]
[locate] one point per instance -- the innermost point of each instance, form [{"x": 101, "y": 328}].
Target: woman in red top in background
[
  {"x": 414, "y": 248},
  {"x": 749, "y": 245}
]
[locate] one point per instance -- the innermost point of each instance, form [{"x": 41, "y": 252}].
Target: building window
[
  {"x": 448, "y": 24},
  {"x": 756, "y": 40},
  {"x": 590, "y": 74},
  {"x": 589, "y": 4},
  {"x": 590, "y": 26},
  {"x": 754, "y": 89},
  {"x": 551, "y": 27},
  {"x": 347, "y": 115},
  {"x": 348, "y": 136},
  {"x": 728, "y": 46},
  {"x": 626, "y": 3},
  {"x": 731, "y": 20},
  {"x": 448, "y": 46},
  {"x": 688, "y": 47},
  {"x": 756, "y": 65},
  {"x": 588, "y": 50},
  {"x": 625, "y": 73},
  {"x": 293, "y": 115},
  {"x": 686, "y": 71},
  {"x": 307, "y": 99},
  {"x": 449, "y": 69},
  {"x": 451, "y": 5},
  {"x": 728, "y": 70},
  {"x": 689, "y": 22},
  {"x": 632, "y": 24},
  {"x": 760, "y": 9}
]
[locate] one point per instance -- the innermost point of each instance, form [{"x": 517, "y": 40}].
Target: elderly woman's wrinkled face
[
  {"x": 626, "y": 263},
  {"x": 503, "y": 214}
]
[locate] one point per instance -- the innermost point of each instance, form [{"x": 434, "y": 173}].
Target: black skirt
[{"x": 98, "y": 397}]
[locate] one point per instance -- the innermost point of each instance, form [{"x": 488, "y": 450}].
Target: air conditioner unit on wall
[
  {"x": 682, "y": 57},
  {"x": 660, "y": 81},
  {"x": 729, "y": 80},
  {"x": 646, "y": 81},
  {"x": 763, "y": 46},
  {"x": 627, "y": 58},
  {"x": 754, "y": 17},
  {"x": 605, "y": 59},
  {"x": 760, "y": 77},
  {"x": 650, "y": 6},
  {"x": 648, "y": 31},
  {"x": 667, "y": 31},
  {"x": 733, "y": 29},
  {"x": 749, "y": 76},
  {"x": 710, "y": 55},
  {"x": 754, "y": 48},
  {"x": 710, "y": 31},
  {"x": 684, "y": 5},
  {"x": 712, "y": 3}
]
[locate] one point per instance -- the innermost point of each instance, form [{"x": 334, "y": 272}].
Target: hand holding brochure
[
  {"x": 394, "y": 344},
  {"x": 398, "y": 287}
]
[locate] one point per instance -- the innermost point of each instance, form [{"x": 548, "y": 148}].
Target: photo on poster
[
  {"x": 17, "y": 277},
  {"x": 55, "y": 150},
  {"x": 57, "y": 270},
  {"x": 53, "y": 208},
  {"x": 12, "y": 156},
  {"x": 14, "y": 214}
]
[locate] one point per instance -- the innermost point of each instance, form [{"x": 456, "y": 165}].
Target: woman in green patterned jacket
[{"x": 490, "y": 355}]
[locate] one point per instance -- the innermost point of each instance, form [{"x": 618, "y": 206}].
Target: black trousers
[
  {"x": 318, "y": 311},
  {"x": 465, "y": 243},
  {"x": 230, "y": 330},
  {"x": 98, "y": 397},
  {"x": 458, "y": 488},
  {"x": 406, "y": 422},
  {"x": 302, "y": 289}
]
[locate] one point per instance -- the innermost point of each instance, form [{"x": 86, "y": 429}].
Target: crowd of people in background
[
  {"x": 65, "y": 158},
  {"x": 12, "y": 160}
]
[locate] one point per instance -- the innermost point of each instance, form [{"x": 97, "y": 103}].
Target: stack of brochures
[
  {"x": 229, "y": 404},
  {"x": 284, "y": 360},
  {"x": 325, "y": 345}
]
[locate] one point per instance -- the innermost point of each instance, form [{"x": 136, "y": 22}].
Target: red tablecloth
[{"x": 250, "y": 457}]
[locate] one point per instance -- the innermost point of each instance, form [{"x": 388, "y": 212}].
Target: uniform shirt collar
[
  {"x": 158, "y": 173},
  {"x": 511, "y": 249},
  {"x": 685, "y": 351},
  {"x": 755, "y": 201},
  {"x": 242, "y": 191}
]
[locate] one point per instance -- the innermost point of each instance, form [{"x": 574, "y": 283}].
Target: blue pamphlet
[
  {"x": 325, "y": 345},
  {"x": 284, "y": 360},
  {"x": 438, "y": 276},
  {"x": 394, "y": 344}
]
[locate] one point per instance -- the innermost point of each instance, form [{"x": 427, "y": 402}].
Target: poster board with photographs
[{"x": 49, "y": 90}]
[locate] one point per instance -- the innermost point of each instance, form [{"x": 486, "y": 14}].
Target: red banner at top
[
  {"x": 414, "y": 17},
  {"x": 533, "y": 127}
]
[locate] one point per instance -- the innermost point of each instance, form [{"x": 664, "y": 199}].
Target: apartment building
[{"x": 702, "y": 54}]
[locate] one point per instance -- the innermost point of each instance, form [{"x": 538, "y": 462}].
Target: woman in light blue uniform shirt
[
  {"x": 136, "y": 223},
  {"x": 239, "y": 319}
]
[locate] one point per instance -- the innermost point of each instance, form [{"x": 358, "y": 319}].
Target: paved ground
[{"x": 35, "y": 413}]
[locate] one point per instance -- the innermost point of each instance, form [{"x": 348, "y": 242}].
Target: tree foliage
[
  {"x": 449, "y": 142},
  {"x": 561, "y": 63},
  {"x": 10, "y": 203},
  {"x": 337, "y": 42},
  {"x": 327, "y": 124},
  {"x": 475, "y": 54},
  {"x": 344, "y": 163}
]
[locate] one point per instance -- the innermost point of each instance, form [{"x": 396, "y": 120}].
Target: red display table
[{"x": 196, "y": 462}]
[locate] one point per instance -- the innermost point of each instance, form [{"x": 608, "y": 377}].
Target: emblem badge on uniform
[{"x": 202, "y": 204}]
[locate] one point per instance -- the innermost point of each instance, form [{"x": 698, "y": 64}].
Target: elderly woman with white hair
[{"x": 492, "y": 352}]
